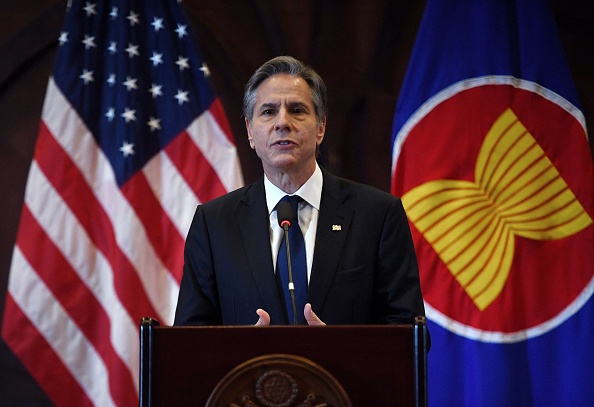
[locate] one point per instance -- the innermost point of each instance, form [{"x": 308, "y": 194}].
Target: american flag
[{"x": 131, "y": 140}]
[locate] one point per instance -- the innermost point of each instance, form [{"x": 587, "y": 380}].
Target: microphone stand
[{"x": 286, "y": 226}]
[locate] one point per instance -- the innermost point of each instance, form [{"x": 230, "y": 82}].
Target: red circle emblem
[{"x": 544, "y": 233}]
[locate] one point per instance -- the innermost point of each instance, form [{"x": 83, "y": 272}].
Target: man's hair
[{"x": 291, "y": 66}]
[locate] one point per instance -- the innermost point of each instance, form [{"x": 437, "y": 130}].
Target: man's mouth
[{"x": 284, "y": 142}]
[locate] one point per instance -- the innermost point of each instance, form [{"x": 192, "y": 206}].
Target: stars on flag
[
  {"x": 130, "y": 83},
  {"x": 181, "y": 30},
  {"x": 129, "y": 115},
  {"x": 182, "y": 63},
  {"x": 157, "y": 24},
  {"x": 63, "y": 39},
  {"x": 90, "y": 8},
  {"x": 132, "y": 50},
  {"x": 87, "y": 76},
  {"x": 110, "y": 114},
  {"x": 181, "y": 96},
  {"x": 155, "y": 90},
  {"x": 133, "y": 18},
  {"x": 154, "y": 124},
  {"x": 145, "y": 95},
  {"x": 156, "y": 58},
  {"x": 127, "y": 149},
  {"x": 89, "y": 42},
  {"x": 204, "y": 69}
]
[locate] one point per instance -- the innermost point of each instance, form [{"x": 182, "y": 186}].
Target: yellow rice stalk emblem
[{"x": 517, "y": 191}]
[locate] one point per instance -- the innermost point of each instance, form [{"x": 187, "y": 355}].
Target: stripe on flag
[{"x": 131, "y": 140}]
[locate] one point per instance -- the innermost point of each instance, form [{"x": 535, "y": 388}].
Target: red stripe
[
  {"x": 43, "y": 363},
  {"x": 162, "y": 233},
  {"x": 78, "y": 301},
  {"x": 195, "y": 168},
  {"x": 67, "y": 179}
]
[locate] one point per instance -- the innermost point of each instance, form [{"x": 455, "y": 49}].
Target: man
[{"x": 359, "y": 263}]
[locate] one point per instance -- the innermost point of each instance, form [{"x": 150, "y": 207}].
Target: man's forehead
[{"x": 284, "y": 88}]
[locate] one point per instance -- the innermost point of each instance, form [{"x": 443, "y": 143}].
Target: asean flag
[{"x": 492, "y": 161}]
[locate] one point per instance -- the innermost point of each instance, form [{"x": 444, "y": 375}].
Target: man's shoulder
[
  {"x": 355, "y": 190},
  {"x": 246, "y": 193}
]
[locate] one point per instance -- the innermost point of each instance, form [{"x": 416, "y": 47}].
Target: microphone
[{"x": 285, "y": 220}]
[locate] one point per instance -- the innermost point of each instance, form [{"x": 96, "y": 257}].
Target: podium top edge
[
  {"x": 287, "y": 327},
  {"x": 418, "y": 321}
]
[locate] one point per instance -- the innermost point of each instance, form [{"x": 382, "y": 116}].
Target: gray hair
[{"x": 291, "y": 66}]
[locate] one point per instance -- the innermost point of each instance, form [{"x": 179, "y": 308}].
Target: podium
[{"x": 354, "y": 365}]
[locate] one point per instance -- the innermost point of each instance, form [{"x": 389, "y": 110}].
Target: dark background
[{"x": 360, "y": 48}]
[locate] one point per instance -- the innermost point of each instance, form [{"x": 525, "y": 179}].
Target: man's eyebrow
[
  {"x": 268, "y": 105},
  {"x": 298, "y": 103},
  {"x": 275, "y": 105}
]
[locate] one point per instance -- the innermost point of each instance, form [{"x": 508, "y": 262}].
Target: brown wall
[{"x": 361, "y": 49}]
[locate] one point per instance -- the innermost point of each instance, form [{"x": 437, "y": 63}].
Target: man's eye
[{"x": 267, "y": 112}]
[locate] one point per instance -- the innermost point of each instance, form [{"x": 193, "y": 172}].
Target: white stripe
[
  {"x": 470, "y": 83},
  {"x": 173, "y": 192},
  {"x": 54, "y": 324},
  {"x": 54, "y": 216},
  {"x": 72, "y": 134},
  {"x": 218, "y": 151}
]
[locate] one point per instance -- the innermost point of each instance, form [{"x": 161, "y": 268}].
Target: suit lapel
[
  {"x": 333, "y": 225},
  {"x": 253, "y": 221}
]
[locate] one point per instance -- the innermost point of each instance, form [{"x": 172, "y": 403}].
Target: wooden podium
[{"x": 231, "y": 366}]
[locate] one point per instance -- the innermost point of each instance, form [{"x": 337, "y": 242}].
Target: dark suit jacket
[{"x": 364, "y": 273}]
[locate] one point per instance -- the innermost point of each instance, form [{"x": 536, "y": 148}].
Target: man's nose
[{"x": 283, "y": 120}]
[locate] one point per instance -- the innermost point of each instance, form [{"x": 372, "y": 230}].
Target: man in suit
[{"x": 359, "y": 263}]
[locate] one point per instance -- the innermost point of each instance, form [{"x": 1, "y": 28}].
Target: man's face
[{"x": 284, "y": 130}]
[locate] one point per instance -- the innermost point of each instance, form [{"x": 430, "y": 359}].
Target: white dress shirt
[{"x": 309, "y": 210}]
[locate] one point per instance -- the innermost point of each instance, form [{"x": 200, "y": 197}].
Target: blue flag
[{"x": 492, "y": 161}]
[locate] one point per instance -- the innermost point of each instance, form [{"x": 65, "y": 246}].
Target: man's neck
[{"x": 290, "y": 181}]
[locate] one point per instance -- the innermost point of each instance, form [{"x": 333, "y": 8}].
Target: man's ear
[
  {"x": 321, "y": 131},
  {"x": 248, "y": 129}
]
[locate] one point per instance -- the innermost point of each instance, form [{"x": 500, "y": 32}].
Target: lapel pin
[{"x": 336, "y": 227}]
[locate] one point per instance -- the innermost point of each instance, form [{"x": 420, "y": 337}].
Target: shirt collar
[{"x": 311, "y": 191}]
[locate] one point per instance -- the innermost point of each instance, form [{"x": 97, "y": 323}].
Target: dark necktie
[{"x": 298, "y": 263}]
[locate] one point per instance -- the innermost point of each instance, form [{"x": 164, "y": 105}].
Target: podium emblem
[{"x": 278, "y": 380}]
